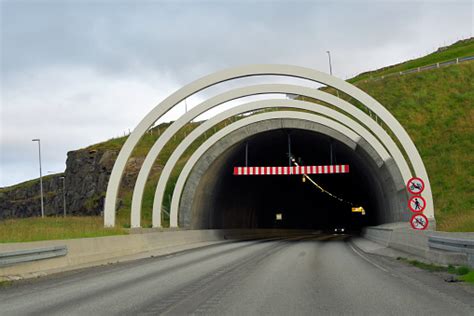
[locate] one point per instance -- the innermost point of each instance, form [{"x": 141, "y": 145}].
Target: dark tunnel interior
[{"x": 254, "y": 201}]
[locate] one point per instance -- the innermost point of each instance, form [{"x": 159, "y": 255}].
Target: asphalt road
[{"x": 310, "y": 275}]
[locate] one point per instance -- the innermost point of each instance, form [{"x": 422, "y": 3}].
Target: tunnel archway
[
  {"x": 214, "y": 198},
  {"x": 399, "y": 135}
]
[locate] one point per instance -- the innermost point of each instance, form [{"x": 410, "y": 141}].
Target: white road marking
[{"x": 367, "y": 259}]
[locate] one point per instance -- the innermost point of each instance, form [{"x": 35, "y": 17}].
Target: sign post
[{"x": 417, "y": 204}]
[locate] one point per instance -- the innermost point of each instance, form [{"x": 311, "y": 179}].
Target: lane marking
[{"x": 367, "y": 259}]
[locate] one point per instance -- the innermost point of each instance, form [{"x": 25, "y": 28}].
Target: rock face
[{"x": 86, "y": 177}]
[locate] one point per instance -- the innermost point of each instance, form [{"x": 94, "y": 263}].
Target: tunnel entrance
[{"x": 222, "y": 200}]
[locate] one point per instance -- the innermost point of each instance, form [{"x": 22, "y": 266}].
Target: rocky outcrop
[{"x": 86, "y": 177}]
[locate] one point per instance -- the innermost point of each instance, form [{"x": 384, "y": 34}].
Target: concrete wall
[
  {"x": 196, "y": 205},
  {"x": 87, "y": 252},
  {"x": 402, "y": 237}
]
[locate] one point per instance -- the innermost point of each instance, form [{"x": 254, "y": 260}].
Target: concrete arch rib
[
  {"x": 352, "y": 141},
  {"x": 376, "y": 129},
  {"x": 248, "y": 71},
  {"x": 380, "y": 155}
]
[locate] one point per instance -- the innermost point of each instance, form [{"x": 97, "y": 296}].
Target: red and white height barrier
[{"x": 263, "y": 171}]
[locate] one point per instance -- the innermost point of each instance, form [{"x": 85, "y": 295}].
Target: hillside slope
[{"x": 436, "y": 108}]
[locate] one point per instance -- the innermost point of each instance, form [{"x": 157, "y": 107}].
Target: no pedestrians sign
[{"x": 417, "y": 204}]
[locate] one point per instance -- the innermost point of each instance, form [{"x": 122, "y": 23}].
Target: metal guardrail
[
  {"x": 14, "y": 257},
  {"x": 423, "y": 68},
  {"x": 452, "y": 244}
]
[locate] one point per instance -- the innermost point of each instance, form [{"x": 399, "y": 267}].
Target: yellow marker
[
  {"x": 304, "y": 179},
  {"x": 359, "y": 209}
]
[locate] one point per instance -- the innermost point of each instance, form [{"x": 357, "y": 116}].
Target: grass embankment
[
  {"x": 436, "y": 109},
  {"x": 464, "y": 273},
  {"x": 459, "y": 49},
  {"x": 49, "y": 228}
]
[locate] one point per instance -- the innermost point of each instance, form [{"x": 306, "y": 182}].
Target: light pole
[
  {"x": 330, "y": 65},
  {"x": 330, "y": 69},
  {"x": 64, "y": 194},
  {"x": 41, "y": 175}
]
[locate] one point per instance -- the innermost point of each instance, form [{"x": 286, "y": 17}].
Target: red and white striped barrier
[{"x": 263, "y": 171}]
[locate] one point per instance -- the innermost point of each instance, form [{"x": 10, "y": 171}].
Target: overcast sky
[{"x": 74, "y": 73}]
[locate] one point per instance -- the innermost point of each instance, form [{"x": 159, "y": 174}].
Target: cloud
[{"x": 80, "y": 72}]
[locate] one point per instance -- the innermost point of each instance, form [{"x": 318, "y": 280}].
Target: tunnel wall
[{"x": 198, "y": 203}]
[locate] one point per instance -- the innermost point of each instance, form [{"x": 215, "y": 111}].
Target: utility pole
[
  {"x": 330, "y": 64},
  {"x": 64, "y": 194},
  {"x": 41, "y": 174},
  {"x": 330, "y": 68}
]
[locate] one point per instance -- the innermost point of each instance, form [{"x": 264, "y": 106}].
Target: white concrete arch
[
  {"x": 353, "y": 140},
  {"x": 380, "y": 155},
  {"x": 345, "y": 106},
  {"x": 258, "y": 70}
]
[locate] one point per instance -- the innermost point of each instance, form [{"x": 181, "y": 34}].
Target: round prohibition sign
[
  {"x": 419, "y": 222},
  {"x": 417, "y": 204},
  {"x": 415, "y": 186}
]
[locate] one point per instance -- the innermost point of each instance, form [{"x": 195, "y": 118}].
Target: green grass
[
  {"x": 465, "y": 273},
  {"x": 436, "y": 109},
  {"x": 459, "y": 49},
  {"x": 5, "y": 283},
  {"x": 469, "y": 277},
  {"x": 49, "y": 228}
]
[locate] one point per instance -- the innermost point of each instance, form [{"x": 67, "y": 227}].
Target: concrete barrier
[
  {"x": 402, "y": 237},
  {"x": 87, "y": 252}
]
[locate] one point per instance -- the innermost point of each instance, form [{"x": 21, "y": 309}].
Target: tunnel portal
[{"x": 223, "y": 200}]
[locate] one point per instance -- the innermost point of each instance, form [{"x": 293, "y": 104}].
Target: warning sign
[
  {"x": 417, "y": 204},
  {"x": 419, "y": 222},
  {"x": 415, "y": 186}
]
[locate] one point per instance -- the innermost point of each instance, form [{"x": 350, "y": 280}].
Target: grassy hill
[
  {"x": 460, "y": 49},
  {"x": 436, "y": 108}
]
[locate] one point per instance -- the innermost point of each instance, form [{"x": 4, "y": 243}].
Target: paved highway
[{"x": 315, "y": 274}]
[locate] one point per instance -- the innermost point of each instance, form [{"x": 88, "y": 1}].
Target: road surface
[{"x": 306, "y": 275}]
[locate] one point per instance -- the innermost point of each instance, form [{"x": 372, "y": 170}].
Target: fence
[{"x": 423, "y": 68}]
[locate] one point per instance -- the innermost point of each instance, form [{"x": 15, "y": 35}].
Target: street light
[
  {"x": 64, "y": 194},
  {"x": 330, "y": 69},
  {"x": 330, "y": 65},
  {"x": 41, "y": 175}
]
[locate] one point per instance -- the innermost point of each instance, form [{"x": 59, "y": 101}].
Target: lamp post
[
  {"x": 41, "y": 175},
  {"x": 330, "y": 65},
  {"x": 64, "y": 194},
  {"x": 330, "y": 68}
]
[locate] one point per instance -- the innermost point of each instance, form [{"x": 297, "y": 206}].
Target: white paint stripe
[
  {"x": 337, "y": 169},
  {"x": 367, "y": 259},
  {"x": 331, "y": 169},
  {"x": 325, "y": 169}
]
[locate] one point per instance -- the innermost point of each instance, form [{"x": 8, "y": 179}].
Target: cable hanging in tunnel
[{"x": 293, "y": 160}]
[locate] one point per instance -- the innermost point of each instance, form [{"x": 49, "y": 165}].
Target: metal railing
[
  {"x": 14, "y": 257},
  {"x": 422, "y": 68},
  {"x": 452, "y": 244}
]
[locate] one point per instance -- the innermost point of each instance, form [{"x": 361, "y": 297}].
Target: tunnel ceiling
[{"x": 222, "y": 200}]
